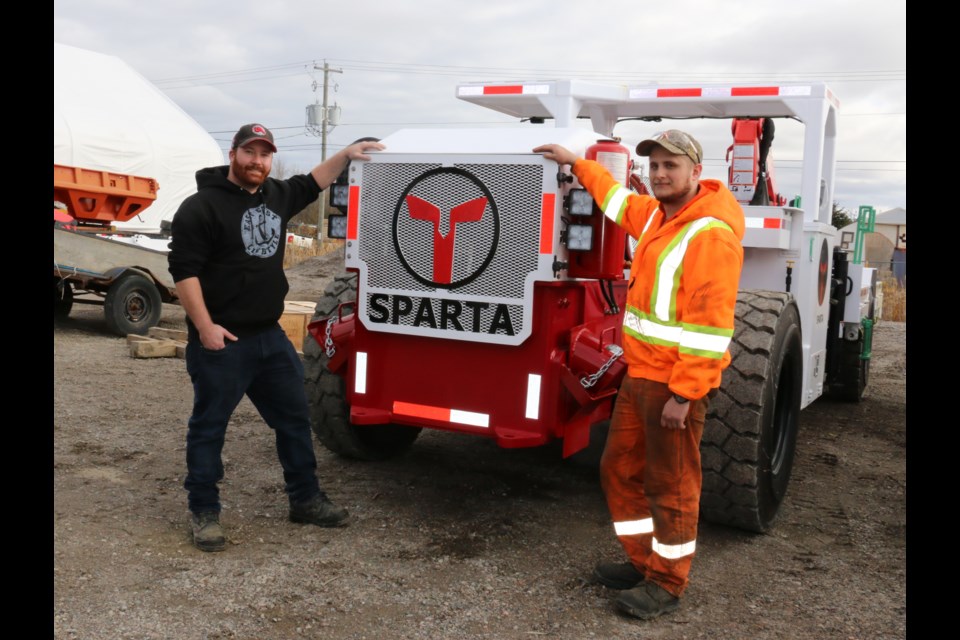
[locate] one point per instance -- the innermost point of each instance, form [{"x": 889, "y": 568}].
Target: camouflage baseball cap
[{"x": 676, "y": 142}]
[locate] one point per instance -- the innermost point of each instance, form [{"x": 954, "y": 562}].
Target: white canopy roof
[
  {"x": 108, "y": 117},
  {"x": 896, "y": 216}
]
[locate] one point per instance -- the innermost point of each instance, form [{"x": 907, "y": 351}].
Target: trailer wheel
[
  {"x": 326, "y": 395},
  {"x": 132, "y": 305},
  {"x": 62, "y": 298},
  {"x": 750, "y": 434}
]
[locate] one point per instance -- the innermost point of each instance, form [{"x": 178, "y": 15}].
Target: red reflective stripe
[
  {"x": 353, "y": 213},
  {"x": 516, "y": 88},
  {"x": 546, "y": 223},
  {"x": 734, "y": 91},
  {"x": 755, "y": 91},
  {"x": 679, "y": 93},
  {"x": 421, "y": 411},
  {"x": 772, "y": 223}
]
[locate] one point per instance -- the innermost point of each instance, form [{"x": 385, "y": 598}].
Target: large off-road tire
[
  {"x": 132, "y": 305},
  {"x": 62, "y": 298},
  {"x": 326, "y": 395},
  {"x": 750, "y": 434}
]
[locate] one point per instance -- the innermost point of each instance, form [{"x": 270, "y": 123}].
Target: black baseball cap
[{"x": 250, "y": 132}]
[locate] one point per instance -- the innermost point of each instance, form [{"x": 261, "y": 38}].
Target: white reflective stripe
[
  {"x": 616, "y": 202},
  {"x": 360, "y": 381},
  {"x": 470, "y": 91},
  {"x": 673, "y": 551},
  {"x": 794, "y": 91},
  {"x": 669, "y": 267},
  {"x": 704, "y": 341},
  {"x": 533, "y": 396},
  {"x": 637, "y": 94},
  {"x": 652, "y": 329},
  {"x": 716, "y": 92},
  {"x": 633, "y": 527},
  {"x": 649, "y": 221},
  {"x": 536, "y": 89},
  {"x": 763, "y": 223},
  {"x": 469, "y": 417}
]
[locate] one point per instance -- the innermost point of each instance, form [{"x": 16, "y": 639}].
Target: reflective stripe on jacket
[{"x": 683, "y": 281}]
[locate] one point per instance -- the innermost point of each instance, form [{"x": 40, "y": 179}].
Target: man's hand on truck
[{"x": 560, "y": 154}]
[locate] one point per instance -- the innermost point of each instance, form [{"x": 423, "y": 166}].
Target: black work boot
[
  {"x": 207, "y": 532},
  {"x": 617, "y": 575},
  {"x": 319, "y": 511},
  {"x": 647, "y": 601}
]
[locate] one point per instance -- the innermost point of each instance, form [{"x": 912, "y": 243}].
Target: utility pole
[{"x": 323, "y": 142}]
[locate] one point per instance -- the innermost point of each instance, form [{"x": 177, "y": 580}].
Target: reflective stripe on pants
[{"x": 651, "y": 478}]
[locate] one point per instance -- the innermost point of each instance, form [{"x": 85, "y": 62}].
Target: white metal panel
[
  {"x": 108, "y": 117},
  {"x": 514, "y": 140}
]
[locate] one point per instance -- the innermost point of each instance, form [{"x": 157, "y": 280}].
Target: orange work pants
[{"x": 651, "y": 478}]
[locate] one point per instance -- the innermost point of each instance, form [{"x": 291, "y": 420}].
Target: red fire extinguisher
[{"x": 605, "y": 260}]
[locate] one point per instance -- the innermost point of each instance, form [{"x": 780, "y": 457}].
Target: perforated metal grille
[{"x": 515, "y": 191}]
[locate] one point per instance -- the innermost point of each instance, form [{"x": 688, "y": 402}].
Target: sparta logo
[{"x": 445, "y": 228}]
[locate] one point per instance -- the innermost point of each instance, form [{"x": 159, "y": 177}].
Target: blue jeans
[{"x": 268, "y": 370}]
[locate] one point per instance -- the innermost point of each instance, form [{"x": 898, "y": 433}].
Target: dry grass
[
  {"x": 894, "y": 301},
  {"x": 296, "y": 254}
]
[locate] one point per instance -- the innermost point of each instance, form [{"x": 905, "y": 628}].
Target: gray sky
[{"x": 226, "y": 64}]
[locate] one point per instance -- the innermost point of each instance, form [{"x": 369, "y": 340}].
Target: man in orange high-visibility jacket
[{"x": 676, "y": 331}]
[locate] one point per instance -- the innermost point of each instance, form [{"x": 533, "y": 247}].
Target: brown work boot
[
  {"x": 617, "y": 575},
  {"x": 647, "y": 601},
  {"x": 207, "y": 532},
  {"x": 319, "y": 511}
]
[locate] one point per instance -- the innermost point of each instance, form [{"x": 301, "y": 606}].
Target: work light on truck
[
  {"x": 337, "y": 227},
  {"x": 579, "y": 202},
  {"x": 339, "y": 194},
  {"x": 579, "y": 237}
]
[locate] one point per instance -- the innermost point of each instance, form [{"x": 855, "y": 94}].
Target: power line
[{"x": 286, "y": 70}]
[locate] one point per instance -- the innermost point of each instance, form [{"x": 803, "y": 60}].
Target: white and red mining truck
[
  {"x": 95, "y": 264},
  {"x": 484, "y": 292}
]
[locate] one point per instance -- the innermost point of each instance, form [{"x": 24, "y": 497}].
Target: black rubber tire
[
  {"x": 62, "y": 298},
  {"x": 750, "y": 435},
  {"x": 132, "y": 305},
  {"x": 851, "y": 381},
  {"x": 326, "y": 395}
]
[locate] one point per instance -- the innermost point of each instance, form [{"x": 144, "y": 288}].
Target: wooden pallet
[
  {"x": 158, "y": 343},
  {"x": 296, "y": 316}
]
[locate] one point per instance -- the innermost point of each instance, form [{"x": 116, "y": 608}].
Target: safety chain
[
  {"x": 328, "y": 343},
  {"x": 588, "y": 381}
]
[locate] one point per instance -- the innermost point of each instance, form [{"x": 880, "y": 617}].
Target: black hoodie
[{"x": 234, "y": 241}]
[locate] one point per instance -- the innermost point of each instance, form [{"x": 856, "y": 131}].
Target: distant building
[{"x": 886, "y": 247}]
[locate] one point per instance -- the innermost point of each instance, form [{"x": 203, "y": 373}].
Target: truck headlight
[
  {"x": 579, "y": 237},
  {"x": 579, "y": 202},
  {"x": 337, "y": 227},
  {"x": 339, "y": 195}
]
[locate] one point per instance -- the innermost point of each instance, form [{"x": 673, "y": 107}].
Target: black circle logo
[
  {"x": 446, "y": 227},
  {"x": 823, "y": 271}
]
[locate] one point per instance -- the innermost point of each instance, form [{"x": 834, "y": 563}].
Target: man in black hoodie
[{"x": 226, "y": 257}]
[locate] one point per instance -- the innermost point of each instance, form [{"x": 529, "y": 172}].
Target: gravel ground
[{"x": 454, "y": 539}]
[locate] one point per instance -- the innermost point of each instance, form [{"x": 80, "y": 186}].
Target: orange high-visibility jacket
[{"x": 683, "y": 284}]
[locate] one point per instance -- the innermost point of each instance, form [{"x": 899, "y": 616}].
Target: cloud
[{"x": 401, "y": 61}]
